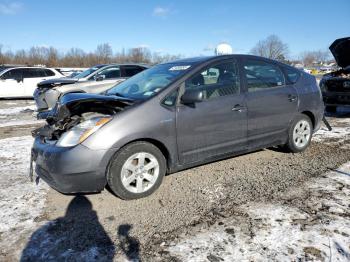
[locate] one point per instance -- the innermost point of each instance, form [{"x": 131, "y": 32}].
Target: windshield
[
  {"x": 88, "y": 71},
  {"x": 2, "y": 68},
  {"x": 149, "y": 82}
]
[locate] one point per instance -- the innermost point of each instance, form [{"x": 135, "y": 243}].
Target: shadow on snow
[{"x": 78, "y": 236}]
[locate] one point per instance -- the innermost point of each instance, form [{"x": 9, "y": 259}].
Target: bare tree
[
  {"x": 271, "y": 47},
  {"x": 104, "y": 53},
  {"x": 21, "y": 57},
  {"x": 159, "y": 58},
  {"x": 76, "y": 57},
  {"x": 52, "y": 57},
  {"x": 2, "y": 57},
  {"x": 140, "y": 55},
  {"x": 309, "y": 58}
]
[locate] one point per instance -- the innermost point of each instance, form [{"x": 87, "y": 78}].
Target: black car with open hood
[
  {"x": 335, "y": 86},
  {"x": 341, "y": 51}
]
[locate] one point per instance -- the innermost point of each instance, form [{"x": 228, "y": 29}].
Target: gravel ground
[
  {"x": 305, "y": 223},
  {"x": 101, "y": 227}
]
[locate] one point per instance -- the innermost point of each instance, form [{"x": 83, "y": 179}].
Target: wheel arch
[
  {"x": 311, "y": 116},
  {"x": 161, "y": 146}
]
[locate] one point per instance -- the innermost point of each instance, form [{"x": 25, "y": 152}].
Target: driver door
[
  {"x": 11, "y": 83},
  {"x": 218, "y": 124}
]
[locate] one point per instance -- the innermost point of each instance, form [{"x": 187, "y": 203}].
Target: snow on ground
[
  {"x": 318, "y": 229},
  {"x": 340, "y": 133},
  {"x": 21, "y": 201},
  {"x": 20, "y": 115},
  {"x": 15, "y": 122},
  {"x": 17, "y": 110}
]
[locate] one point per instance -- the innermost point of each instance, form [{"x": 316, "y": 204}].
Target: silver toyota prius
[{"x": 174, "y": 116}]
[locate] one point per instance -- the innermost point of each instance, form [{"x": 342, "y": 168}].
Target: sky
[{"x": 189, "y": 28}]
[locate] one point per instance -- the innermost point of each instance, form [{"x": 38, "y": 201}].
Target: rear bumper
[
  {"x": 336, "y": 98},
  {"x": 71, "y": 170}
]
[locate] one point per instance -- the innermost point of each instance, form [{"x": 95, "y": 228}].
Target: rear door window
[
  {"x": 262, "y": 75},
  {"x": 109, "y": 73},
  {"x": 39, "y": 72},
  {"x": 32, "y": 73}
]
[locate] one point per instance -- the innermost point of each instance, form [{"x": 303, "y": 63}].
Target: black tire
[
  {"x": 331, "y": 109},
  {"x": 114, "y": 174},
  {"x": 291, "y": 145}
]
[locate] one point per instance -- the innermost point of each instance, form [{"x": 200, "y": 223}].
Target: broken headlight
[{"x": 82, "y": 131}]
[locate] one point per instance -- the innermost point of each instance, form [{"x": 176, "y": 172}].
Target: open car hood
[
  {"x": 79, "y": 103},
  {"x": 341, "y": 51},
  {"x": 50, "y": 83},
  {"x": 74, "y": 108}
]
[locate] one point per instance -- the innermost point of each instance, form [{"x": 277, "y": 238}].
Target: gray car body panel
[{"x": 190, "y": 136}]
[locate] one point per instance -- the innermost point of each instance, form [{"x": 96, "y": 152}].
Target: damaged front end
[
  {"x": 78, "y": 115},
  {"x": 46, "y": 95}
]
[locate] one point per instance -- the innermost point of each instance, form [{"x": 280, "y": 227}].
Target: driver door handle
[
  {"x": 292, "y": 98},
  {"x": 239, "y": 108}
]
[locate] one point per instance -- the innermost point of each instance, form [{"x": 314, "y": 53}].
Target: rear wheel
[
  {"x": 136, "y": 171},
  {"x": 299, "y": 134},
  {"x": 331, "y": 109}
]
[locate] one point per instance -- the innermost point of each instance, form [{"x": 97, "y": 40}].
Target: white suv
[{"x": 22, "y": 81}]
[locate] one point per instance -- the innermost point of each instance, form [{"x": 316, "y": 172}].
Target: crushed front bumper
[{"x": 71, "y": 170}]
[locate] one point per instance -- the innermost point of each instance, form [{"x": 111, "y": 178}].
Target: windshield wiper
[{"x": 118, "y": 94}]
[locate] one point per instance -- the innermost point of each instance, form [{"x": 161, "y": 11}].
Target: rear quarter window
[
  {"x": 292, "y": 74},
  {"x": 48, "y": 72},
  {"x": 129, "y": 71}
]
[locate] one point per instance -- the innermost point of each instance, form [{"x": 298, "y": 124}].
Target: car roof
[
  {"x": 25, "y": 67},
  {"x": 201, "y": 59},
  {"x": 6, "y": 69},
  {"x": 125, "y": 64}
]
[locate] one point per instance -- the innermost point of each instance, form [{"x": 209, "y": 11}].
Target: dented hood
[
  {"x": 80, "y": 103},
  {"x": 341, "y": 51},
  {"x": 57, "y": 82}
]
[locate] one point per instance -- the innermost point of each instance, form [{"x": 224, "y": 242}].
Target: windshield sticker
[{"x": 179, "y": 68}]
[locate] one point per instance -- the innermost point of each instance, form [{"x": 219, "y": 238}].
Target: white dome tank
[{"x": 223, "y": 49}]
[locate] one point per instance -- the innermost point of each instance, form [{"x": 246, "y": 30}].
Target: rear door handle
[
  {"x": 238, "y": 108},
  {"x": 292, "y": 98}
]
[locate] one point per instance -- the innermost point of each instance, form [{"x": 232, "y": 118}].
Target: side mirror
[
  {"x": 100, "y": 77},
  {"x": 192, "y": 96}
]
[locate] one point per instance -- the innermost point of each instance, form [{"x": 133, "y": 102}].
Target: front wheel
[
  {"x": 299, "y": 134},
  {"x": 136, "y": 171}
]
